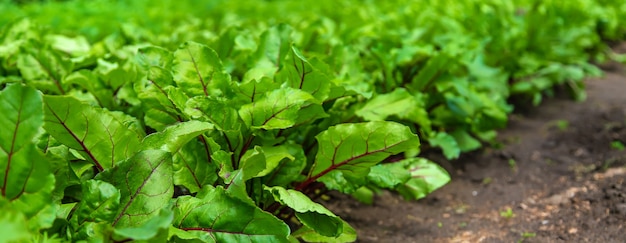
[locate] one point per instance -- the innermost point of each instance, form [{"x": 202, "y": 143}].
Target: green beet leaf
[
  {"x": 160, "y": 111},
  {"x": 45, "y": 70},
  {"x": 299, "y": 73},
  {"x": 154, "y": 230},
  {"x": 256, "y": 162},
  {"x": 96, "y": 133},
  {"x": 253, "y": 163},
  {"x": 174, "y": 137},
  {"x": 100, "y": 203},
  {"x": 116, "y": 74},
  {"x": 429, "y": 73},
  {"x": 274, "y": 156},
  {"x": 13, "y": 224},
  {"x": 90, "y": 82},
  {"x": 465, "y": 141},
  {"x": 223, "y": 116},
  {"x": 145, "y": 184},
  {"x": 310, "y": 235},
  {"x": 227, "y": 219},
  {"x": 447, "y": 143},
  {"x": 273, "y": 47},
  {"x": 25, "y": 175},
  {"x": 76, "y": 46},
  {"x": 97, "y": 232},
  {"x": 388, "y": 175},
  {"x": 311, "y": 214},
  {"x": 289, "y": 167},
  {"x": 426, "y": 176},
  {"x": 198, "y": 70},
  {"x": 154, "y": 56},
  {"x": 278, "y": 109},
  {"x": 347, "y": 151},
  {"x": 399, "y": 103},
  {"x": 193, "y": 167},
  {"x": 249, "y": 90}
]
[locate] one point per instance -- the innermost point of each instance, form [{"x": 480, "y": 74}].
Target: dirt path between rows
[{"x": 559, "y": 177}]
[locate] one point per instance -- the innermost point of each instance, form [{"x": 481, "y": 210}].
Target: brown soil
[{"x": 557, "y": 172}]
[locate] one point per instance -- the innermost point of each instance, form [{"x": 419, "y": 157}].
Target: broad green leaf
[
  {"x": 274, "y": 46},
  {"x": 115, "y": 74},
  {"x": 227, "y": 219},
  {"x": 154, "y": 56},
  {"x": 145, "y": 184},
  {"x": 174, "y": 137},
  {"x": 96, "y": 133},
  {"x": 344, "y": 182},
  {"x": 388, "y": 175},
  {"x": 76, "y": 46},
  {"x": 19, "y": 30},
  {"x": 160, "y": 77},
  {"x": 310, "y": 235},
  {"x": 364, "y": 195},
  {"x": 219, "y": 113},
  {"x": 429, "y": 73},
  {"x": 224, "y": 161},
  {"x": 193, "y": 168},
  {"x": 25, "y": 174},
  {"x": 93, "y": 232},
  {"x": 465, "y": 141},
  {"x": 278, "y": 109},
  {"x": 153, "y": 92},
  {"x": 274, "y": 156},
  {"x": 198, "y": 71},
  {"x": 460, "y": 106},
  {"x": 399, "y": 103},
  {"x": 382, "y": 106},
  {"x": 251, "y": 165},
  {"x": 100, "y": 203},
  {"x": 349, "y": 150},
  {"x": 447, "y": 143},
  {"x": 300, "y": 73},
  {"x": 426, "y": 176},
  {"x": 289, "y": 169},
  {"x": 64, "y": 175},
  {"x": 154, "y": 230},
  {"x": 310, "y": 113},
  {"x": 253, "y": 89},
  {"x": 45, "y": 70},
  {"x": 160, "y": 111},
  {"x": 311, "y": 214},
  {"x": 181, "y": 236},
  {"x": 254, "y": 162},
  {"x": 13, "y": 224},
  {"x": 177, "y": 97},
  {"x": 223, "y": 116},
  {"x": 90, "y": 82}
]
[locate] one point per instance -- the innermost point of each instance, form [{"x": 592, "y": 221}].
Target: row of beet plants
[
  {"x": 143, "y": 143},
  {"x": 234, "y": 136}
]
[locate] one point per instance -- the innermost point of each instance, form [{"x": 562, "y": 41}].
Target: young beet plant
[{"x": 223, "y": 161}]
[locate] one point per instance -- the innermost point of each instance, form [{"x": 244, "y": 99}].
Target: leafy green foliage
[
  {"x": 214, "y": 122},
  {"x": 99, "y": 135},
  {"x": 347, "y": 151},
  {"x": 213, "y": 216},
  {"x": 27, "y": 179}
]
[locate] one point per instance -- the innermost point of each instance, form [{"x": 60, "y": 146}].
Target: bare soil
[{"x": 559, "y": 177}]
